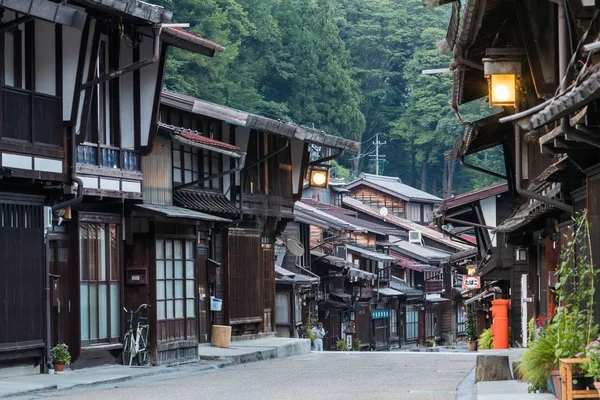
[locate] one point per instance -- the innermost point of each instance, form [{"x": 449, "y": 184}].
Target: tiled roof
[
  {"x": 394, "y": 186},
  {"x": 570, "y": 101},
  {"x": 193, "y": 38},
  {"x": 350, "y": 217},
  {"x": 399, "y": 284},
  {"x": 199, "y": 200},
  {"x": 427, "y": 254},
  {"x": 475, "y": 195},
  {"x": 405, "y": 224},
  {"x": 197, "y": 137}
]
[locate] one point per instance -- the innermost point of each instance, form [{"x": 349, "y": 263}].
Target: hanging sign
[
  {"x": 471, "y": 282},
  {"x": 380, "y": 314}
]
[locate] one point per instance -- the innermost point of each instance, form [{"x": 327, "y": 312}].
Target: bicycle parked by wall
[{"x": 135, "y": 342}]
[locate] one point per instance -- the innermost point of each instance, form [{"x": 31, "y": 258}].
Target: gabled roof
[
  {"x": 350, "y": 217},
  {"x": 405, "y": 224},
  {"x": 253, "y": 121},
  {"x": 394, "y": 187},
  {"x": 475, "y": 195}
]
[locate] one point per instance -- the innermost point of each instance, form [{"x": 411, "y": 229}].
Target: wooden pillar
[{"x": 422, "y": 326}]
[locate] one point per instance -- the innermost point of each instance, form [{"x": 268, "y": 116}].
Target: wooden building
[
  {"x": 548, "y": 134},
  {"x": 400, "y": 199},
  {"x": 480, "y": 212},
  {"x": 80, "y": 95},
  {"x": 249, "y": 170}
]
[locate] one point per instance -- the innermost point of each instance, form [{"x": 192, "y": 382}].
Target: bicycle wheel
[
  {"x": 142, "y": 355},
  {"x": 126, "y": 355}
]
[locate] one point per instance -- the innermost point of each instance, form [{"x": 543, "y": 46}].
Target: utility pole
[{"x": 377, "y": 157}]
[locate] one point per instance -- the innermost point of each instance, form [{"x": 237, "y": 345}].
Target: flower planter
[
  {"x": 59, "y": 368},
  {"x": 555, "y": 377},
  {"x": 472, "y": 345},
  {"x": 596, "y": 385}
]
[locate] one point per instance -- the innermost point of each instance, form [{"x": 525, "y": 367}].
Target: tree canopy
[{"x": 349, "y": 67}]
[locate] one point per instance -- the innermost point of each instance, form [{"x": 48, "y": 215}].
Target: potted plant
[
  {"x": 470, "y": 330},
  {"x": 592, "y": 367},
  {"x": 60, "y": 357}
]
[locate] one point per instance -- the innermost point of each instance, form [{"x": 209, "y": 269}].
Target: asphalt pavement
[{"x": 326, "y": 375}]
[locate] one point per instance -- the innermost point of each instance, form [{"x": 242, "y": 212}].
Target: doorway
[{"x": 59, "y": 290}]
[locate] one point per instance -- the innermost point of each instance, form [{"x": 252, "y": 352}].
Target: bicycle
[{"x": 135, "y": 342}]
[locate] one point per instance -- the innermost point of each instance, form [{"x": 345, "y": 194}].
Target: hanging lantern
[{"x": 502, "y": 75}]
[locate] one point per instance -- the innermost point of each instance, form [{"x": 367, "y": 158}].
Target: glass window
[
  {"x": 99, "y": 283},
  {"x": 393, "y": 323},
  {"x": 175, "y": 284},
  {"x": 413, "y": 212},
  {"x": 282, "y": 309}
]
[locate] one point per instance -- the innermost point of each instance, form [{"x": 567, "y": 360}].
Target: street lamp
[
  {"x": 502, "y": 75},
  {"x": 319, "y": 177}
]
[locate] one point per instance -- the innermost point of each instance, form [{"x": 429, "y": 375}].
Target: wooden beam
[
  {"x": 137, "y": 101},
  {"x": 147, "y": 149}
]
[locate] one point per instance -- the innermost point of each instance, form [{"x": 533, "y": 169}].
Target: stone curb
[{"x": 152, "y": 372}]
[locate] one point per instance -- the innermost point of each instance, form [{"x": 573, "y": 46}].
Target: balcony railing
[
  {"x": 108, "y": 157},
  {"x": 30, "y": 117}
]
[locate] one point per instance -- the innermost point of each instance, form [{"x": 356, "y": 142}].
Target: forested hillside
[{"x": 349, "y": 67}]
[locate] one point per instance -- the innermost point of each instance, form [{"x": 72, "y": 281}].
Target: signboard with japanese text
[
  {"x": 471, "y": 282},
  {"x": 380, "y": 314}
]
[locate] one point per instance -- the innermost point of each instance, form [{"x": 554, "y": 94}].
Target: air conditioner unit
[{"x": 414, "y": 237}]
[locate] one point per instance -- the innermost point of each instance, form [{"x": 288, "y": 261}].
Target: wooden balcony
[
  {"x": 109, "y": 171},
  {"x": 31, "y": 118}
]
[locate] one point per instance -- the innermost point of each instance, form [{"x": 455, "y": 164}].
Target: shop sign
[
  {"x": 471, "y": 282},
  {"x": 380, "y": 314}
]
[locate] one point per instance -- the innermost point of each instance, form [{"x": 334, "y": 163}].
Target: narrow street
[{"x": 328, "y": 375}]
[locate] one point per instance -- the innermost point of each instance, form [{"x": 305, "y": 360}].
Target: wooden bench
[{"x": 566, "y": 377}]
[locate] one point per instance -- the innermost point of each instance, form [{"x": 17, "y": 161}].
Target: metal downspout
[{"x": 131, "y": 67}]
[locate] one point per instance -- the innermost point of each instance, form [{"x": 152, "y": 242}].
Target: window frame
[
  {"x": 111, "y": 274},
  {"x": 202, "y": 164},
  {"x": 188, "y": 284}
]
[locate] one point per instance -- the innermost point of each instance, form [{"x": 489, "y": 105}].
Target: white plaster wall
[
  {"x": 126, "y": 98},
  {"x": 488, "y": 207},
  {"x": 148, "y": 77},
  {"x": 45, "y": 57},
  {"x": 71, "y": 39}
]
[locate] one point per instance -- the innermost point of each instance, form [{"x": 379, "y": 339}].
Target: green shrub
[
  {"x": 539, "y": 359},
  {"x": 341, "y": 345},
  {"x": 486, "y": 340},
  {"x": 356, "y": 345}
]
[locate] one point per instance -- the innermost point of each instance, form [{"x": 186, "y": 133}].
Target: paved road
[{"x": 394, "y": 375}]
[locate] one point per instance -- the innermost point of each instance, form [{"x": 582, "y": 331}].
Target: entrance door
[{"x": 59, "y": 284}]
